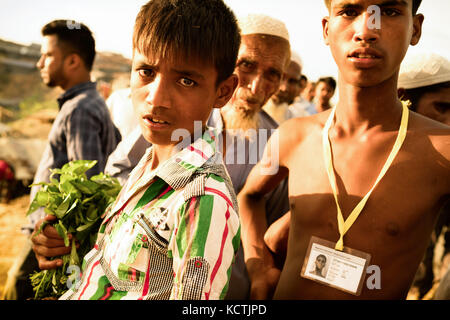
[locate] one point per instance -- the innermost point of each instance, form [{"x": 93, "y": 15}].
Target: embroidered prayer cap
[
  {"x": 422, "y": 70},
  {"x": 263, "y": 24},
  {"x": 296, "y": 58}
]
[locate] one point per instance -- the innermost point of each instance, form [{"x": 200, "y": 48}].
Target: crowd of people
[{"x": 238, "y": 174}]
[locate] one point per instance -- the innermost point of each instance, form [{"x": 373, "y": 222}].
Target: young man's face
[
  {"x": 436, "y": 105},
  {"x": 323, "y": 93},
  {"x": 290, "y": 85},
  {"x": 51, "y": 62},
  {"x": 172, "y": 95},
  {"x": 260, "y": 67},
  {"x": 367, "y": 55},
  {"x": 309, "y": 91}
]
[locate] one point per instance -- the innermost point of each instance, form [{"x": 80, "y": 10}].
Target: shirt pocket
[
  {"x": 128, "y": 253},
  {"x": 126, "y": 256}
]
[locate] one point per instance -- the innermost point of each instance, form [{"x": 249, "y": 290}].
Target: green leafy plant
[{"x": 78, "y": 203}]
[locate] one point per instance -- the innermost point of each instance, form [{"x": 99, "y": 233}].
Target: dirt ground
[{"x": 12, "y": 218}]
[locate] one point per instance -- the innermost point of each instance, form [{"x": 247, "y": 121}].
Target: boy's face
[
  {"x": 324, "y": 92},
  {"x": 172, "y": 95},
  {"x": 365, "y": 54}
]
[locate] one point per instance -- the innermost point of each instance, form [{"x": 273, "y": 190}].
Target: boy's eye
[
  {"x": 349, "y": 13},
  {"x": 390, "y": 12},
  {"x": 146, "y": 73},
  {"x": 186, "y": 82}
]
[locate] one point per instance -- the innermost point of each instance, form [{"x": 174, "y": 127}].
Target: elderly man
[{"x": 281, "y": 105}]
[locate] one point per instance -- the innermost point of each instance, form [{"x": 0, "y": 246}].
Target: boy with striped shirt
[{"x": 174, "y": 230}]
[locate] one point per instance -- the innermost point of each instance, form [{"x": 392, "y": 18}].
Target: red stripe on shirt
[
  {"x": 222, "y": 246},
  {"x": 108, "y": 292},
  {"x": 89, "y": 278},
  {"x": 191, "y": 148},
  {"x": 146, "y": 283},
  {"x": 220, "y": 193}
]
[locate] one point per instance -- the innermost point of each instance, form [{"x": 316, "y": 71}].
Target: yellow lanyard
[{"x": 344, "y": 226}]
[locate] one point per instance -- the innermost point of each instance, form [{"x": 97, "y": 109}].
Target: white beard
[{"x": 238, "y": 120}]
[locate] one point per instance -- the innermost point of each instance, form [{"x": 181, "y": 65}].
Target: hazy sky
[{"x": 112, "y": 23}]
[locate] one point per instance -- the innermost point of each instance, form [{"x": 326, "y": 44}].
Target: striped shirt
[{"x": 171, "y": 234}]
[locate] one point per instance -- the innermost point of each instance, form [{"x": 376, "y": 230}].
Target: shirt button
[{"x": 198, "y": 264}]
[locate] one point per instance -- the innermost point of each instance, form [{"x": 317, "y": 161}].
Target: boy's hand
[{"x": 48, "y": 244}]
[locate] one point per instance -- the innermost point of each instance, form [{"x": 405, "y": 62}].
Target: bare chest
[{"x": 407, "y": 197}]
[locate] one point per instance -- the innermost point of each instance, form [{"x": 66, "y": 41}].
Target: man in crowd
[
  {"x": 280, "y": 105},
  {"x": 83, "y": 129},
  {"x": 325, "y": 89},
  {"x": 380, "y": 209},
  {"x": 424, "y": 81}
]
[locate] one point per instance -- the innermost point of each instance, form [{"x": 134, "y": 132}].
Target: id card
[{"x": 344, "y": 270}]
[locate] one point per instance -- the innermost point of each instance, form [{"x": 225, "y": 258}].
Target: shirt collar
[
  {"x": 75, "y": 90},
  {"x": 178, "y": 169}
]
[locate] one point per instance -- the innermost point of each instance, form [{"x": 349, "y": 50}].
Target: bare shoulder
[
  {"x": 438, "y": 134},
  {"x": 294, "y": 131}
]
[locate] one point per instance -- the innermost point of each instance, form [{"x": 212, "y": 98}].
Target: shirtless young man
[{"x": 396, "y": 222}]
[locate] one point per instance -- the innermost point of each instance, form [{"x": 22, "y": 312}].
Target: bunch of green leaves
[{"x": 78, "y": 203}]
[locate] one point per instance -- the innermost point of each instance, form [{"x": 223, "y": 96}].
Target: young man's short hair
[
  {"x": 73, "y": 38},
  {"x": 329, "y": 81},
  {"x": 415, "y": 7},
  {"x": 173, "y": 29}
]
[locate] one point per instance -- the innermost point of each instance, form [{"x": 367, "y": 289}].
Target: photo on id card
[{"x": 344, "y": 270}]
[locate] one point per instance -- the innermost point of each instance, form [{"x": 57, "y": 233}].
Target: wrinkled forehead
[{"x": 265, "y": 48}]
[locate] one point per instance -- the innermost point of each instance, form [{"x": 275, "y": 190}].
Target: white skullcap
[
  {"x": 262, "y": 24},
  {"x": 296, "y": 58},
  {"x": 423, "y": 70}
]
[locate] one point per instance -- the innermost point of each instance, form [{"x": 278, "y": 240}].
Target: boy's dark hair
[
  {"x": 329, "y": 81},
  {"x": 73, "y": 37},
  {"x": 415, "y": 6},
  {"x": 173, "y": 29},
  {"x": 414, "y": 95}
]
